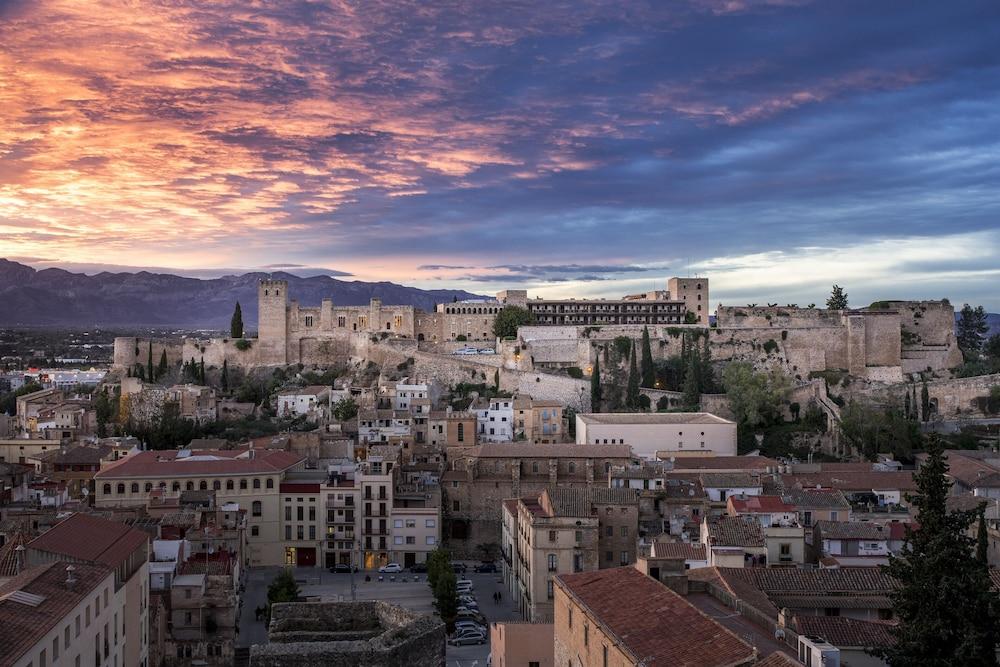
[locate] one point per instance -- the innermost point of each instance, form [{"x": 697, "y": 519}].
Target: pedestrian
[{"x": 499, "y": 597}]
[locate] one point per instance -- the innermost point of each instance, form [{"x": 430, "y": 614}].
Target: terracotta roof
[
  {"x": 89, "y": 538},
  {"x": 724, "y": 463},
  {"x": 817, "y": 498},
  {"x": 729, "y": 480},
  {"x": 656, "y": 625},
  {"x": 734, "y": 531},
  {"x": 971, "y": 473},
  {"x": 852, "y": 481},
  {"x": 778, "y": 659},
  {"x": 684, "y": 550},
  {"x": 24, "y": 625},
  {"x": 759, "y": 504},
  {"x": 832, "y": 601},
  {"x": 851, "y": 530},
  {"x": 78, "y": 455},
  {"x": 848, "y": 581},
  {"x": 530, "y": 451},
  {"x": 8, "y": 553},
  {"x": 844, "y": 632},
  {"x": 166, "y": 463},
  {"x": 577, "y": 501},
  {"x": 625, "y": 418}
]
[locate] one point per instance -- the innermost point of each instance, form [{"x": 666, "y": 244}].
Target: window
[
  {"x": 577, "y": 562},
  {"x": 255, "y": 531},
  {"x": 176, "y": 486},
  {"x": 586, "y": 634},
  {"x": 270, "y": 483},
  {"x": 571, "y": 617},
  {"x": 121, "y": 489},
  {"x": 552, "y": 536},
  {"x": 397, "y": 539},
  {"x": 430, "y": 523},
  {"x": 299, "y": 513},
  {"x": 256, "y": 508},
  {"x": 553, "y": 562},
  {"x": 300, "y": 533},
  {"x": 312, "y": 512},
  {"x": 312, "y": 532},
  {"x": 77, "y": 624},
  {"x": 149, "y": 487},
  {"x": 624, "y": 531},
  {"x": 398, "y": 523},
  {"x": 243, "y": 484},
  {"x": 189, "y": 486},
  {"x": 107, "y": 489},
  {"x": 288, "y": 532},
  {"x": 229, "y": 485},
  {"x": 456, "y": 506},
  {"x": 549, "y": 589},
  {"x": 203, "y": 485},
  {"x": 624, "y": 558},
  {"x": 834, "y": 515},
  {"x": 431, "y": 540},
  {"x": 256, "y": 482},
  {"x": 461, "y": 432},
  {"x": 410, "y": 539},
  {"x": 288, "y": 513},
  {"x": 579, "y": 536},
  {"x": 216, "y": 485},
  {"x": 309, "y": 320},
  {"x": 66, "y": 637},
  {"x": 42, "y": 659},
  {"x": 604, "y": 656},
  {"x": 609, "y": 556},
  {"x": 610, "y": 530},
  {"x": 55, "y": 649}
]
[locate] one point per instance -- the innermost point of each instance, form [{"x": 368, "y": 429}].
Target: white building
[
  {"x": 410, "y": 389},
  {"x": 660, "y": 434},
  {"x": 495, "y": 420},
  {"x": 312, "y": 402}
]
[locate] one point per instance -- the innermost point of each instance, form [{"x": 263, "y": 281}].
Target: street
[{"x": 412, "y": 595}]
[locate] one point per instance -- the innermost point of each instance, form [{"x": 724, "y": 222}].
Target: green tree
[
  {"x": 925, "y": 402},
  {"x": 8, "y": 404},
  {"x": 282, "y": 589},
  {"x": 971, "y": 330},
  {"x": 225, "y": 375},
  {"x": 149, "y": 364},
  {"x": 691, "y": 396},
  {"x": 496, "y": 379},
  {"x": 948, "y": 613},
  {"x": 706, "y": 375},
  {"x": 345, "y": 409},
  {"x": 838, "y": 299},
  {"x": 161, "y": 369},
  {"x": 104, "y": 409},
  {"x": 756, "y": 398},
  {"x": 991, "y": 350},
  {"x": 201, "y": 371},
  {"x": 690, "y": 318},
  {"x": 648, "y": 374},
  {"x": 632, "y": 389},
  {"x": 509, "y": 319},
  {"x": 595, "y": 386},
  {"x": 907, "y": 409},
  {"x": 236, "y": 323},
  {"x": 871, "y": 430},
  {"x": 982, "y": 542}
]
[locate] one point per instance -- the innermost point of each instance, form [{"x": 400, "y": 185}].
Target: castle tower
[{"x": 272, "y": 322}]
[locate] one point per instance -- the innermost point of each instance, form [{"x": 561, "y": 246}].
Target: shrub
[
  {"x": 575, "y": 372},
  {"x": 770, "y": 346},
  {"x": 663, "y": 403},
  {"x": 784, "y": 335},
  {"x": 242, "y": 344},
  {"x": 644, "y": 402},
  {"x": 623, "y": 346},
  {"x": 461, "y": 338}
]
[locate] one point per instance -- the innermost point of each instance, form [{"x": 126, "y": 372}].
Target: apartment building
[
  {"x": 248, "y": 478},
  {"x": 660, "y": 434},
  {"x": 63, "y": 612},
  {"x": 450, "y": 428},
  {"x": 302, "y": 522},
  {"x": 494, "y": 419},
  {"x": 312, "y": 402},
  {"x": 538, "y": 421},
  {"x": 382, "y": 426},
  {"x": 343, "y": 506},
  {"x": 91, "y": 540},
  {"x": 564, "y": 529},
  {"x": 660, "y": 309}
]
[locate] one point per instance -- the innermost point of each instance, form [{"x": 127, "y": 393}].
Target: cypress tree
[
  {"x": 925, "y": 402},
  {"x": 691, "y": 397},
  {"x": 201, "y": 371},
  {"x": 648, "y": 376},
  {"x": 236, "y": 323},
  {"x": 149, "y": 364},
  {"x": 707, "y": 379},
  {"x": 906, "y": 407},
  {"x": 983, "y": 542},
  {"x": 948, "y": 613},
  {"x": 225, "y": 375},
  {"x": 161, "y": 370},
  {"x": 632, "y": 391},
  {"x": 595, "y": 385},
  {"x": 496, "y": 379}
]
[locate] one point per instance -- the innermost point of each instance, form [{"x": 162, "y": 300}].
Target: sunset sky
[{"x": 567, "y": 147}]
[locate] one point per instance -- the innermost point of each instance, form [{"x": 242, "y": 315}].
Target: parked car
[
  {"x": 486, "y": 567},
  {"x": 467, "y": 640},
  {"x": 418, "y": 568},
  {"x": 469, "y": 608},
  {"x": 342, "y": 568},
  {"x": 487, "y": 350},
  {"x": 458, "y": 567},
  {"x": 465, "y": 632},
  {"x": 467, "y": 624},
  {"x": 391, "y": 568},
  {"x": 464, "y": 590},
  {"x": 471, "y": 616},
  {"x": 465, "y": 599},
  {"x": 466, "y": 351},
  {"x": 464, "y": 582}
]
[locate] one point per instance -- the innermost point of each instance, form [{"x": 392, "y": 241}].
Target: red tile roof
[
  {"x": 845, "y": 632},
  {"x": 853, "y": 481},
  {"x": 89, "y": 538},
  {"x": 656, "y": 625},
  {"x": 724, "y": 463},
  {"x": 851, "y": 530},
  {"x": 684, "y": 550},
  {"x": 205, "y": 462},
  {"x": 760, "y": 505},
  {"x": 734, "y": 531},
  {"x": 778, "y": 659},
  {"x": 25, "y": 625}
]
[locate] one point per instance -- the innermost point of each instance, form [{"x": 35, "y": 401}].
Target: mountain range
[{"x": 55, "y": 297}]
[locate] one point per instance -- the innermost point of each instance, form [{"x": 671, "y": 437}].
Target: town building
[
  {"x": 623, "y": 617},
  {"x": 90, "y": 540},
  {"x": 514, "y": 643},
  {"x": 312, "y": 402},
  {"x": 494, "y": 419},
  {"x": 851, "y": 544},
  {"x": 538, "y": 421},
  {"x": 449, "y": 428},
  {"x": 660, "y": 434},
  {"x": 250, "y": 478}
]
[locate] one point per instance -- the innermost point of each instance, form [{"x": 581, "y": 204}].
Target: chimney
[
  {"x": 18, "y": 558},
  {"x": 70, "y": 579}
]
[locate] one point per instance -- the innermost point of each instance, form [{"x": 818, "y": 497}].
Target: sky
[{"x": 568, "y": 148}]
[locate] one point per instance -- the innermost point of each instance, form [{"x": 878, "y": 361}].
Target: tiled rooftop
[
  {"x": 651, "y": 622},
  {"x": 760, "y": 504},
  {"x": 734, "y": 531},
  {"x": 168, "y": 463},
  {"x": 90, "y": 538},
  {"x": 844, "y": 632},
  {"x": 851, "y": 530},
  {"x": 684, "y": 550},
  {"x": 724, "y": 463}
]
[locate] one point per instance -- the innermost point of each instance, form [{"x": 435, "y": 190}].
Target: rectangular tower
[
  {"x": 272, "y": 322},
  {"x": 694, "y": 293}
]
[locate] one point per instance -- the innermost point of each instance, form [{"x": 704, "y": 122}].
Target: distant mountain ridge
[{"x": 55, "y": 297}]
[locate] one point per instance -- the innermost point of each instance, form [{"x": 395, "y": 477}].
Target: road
[{"x": 409, "y": 594}]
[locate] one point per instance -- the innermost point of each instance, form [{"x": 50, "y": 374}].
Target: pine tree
[
  {"x": 947, "y": 611},
  {"x": 225, "y": 375},
  {"x": 648, "y": 375},
  {"x": 925, "y": 403},
  {"x": 201, "y": 371},
  {"x": 971, "y": 330},
  {"x": 595, "y": 385},
  {"x": 838, "y": 299},
  {"x": 691, "y": 396},
  {"x": 907, "y": 412},
  {"x": 236, "y": 323},
  {"x": 914, "y": 406},
  {"x": 161, "y": 369},
  {"x": 983, "y": 542},
  {"x": 632, "y": 391},
  {"x": 705, "y": 372},
  {"x": 149, "y": 364}
]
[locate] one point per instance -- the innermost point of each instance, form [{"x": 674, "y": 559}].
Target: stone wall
[{"x": 950, "y": 398}]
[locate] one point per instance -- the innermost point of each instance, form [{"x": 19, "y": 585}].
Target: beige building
[
  {"x": 538, "y": 421},
  {"x": 62, "y": 613},
  {"x": 693, "y": 292},
  {"x": 249, "y": 478},
  {"x": 660, "y": 434},
  {"x": 87, "y": 539},
  {"x": 564, "y": 530},
  {"x": 302, "y": 523},
  {"x": 518, "y": 644},
  {"x": 621, "y": 617},
  {"x": 451, "y": 429}
]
